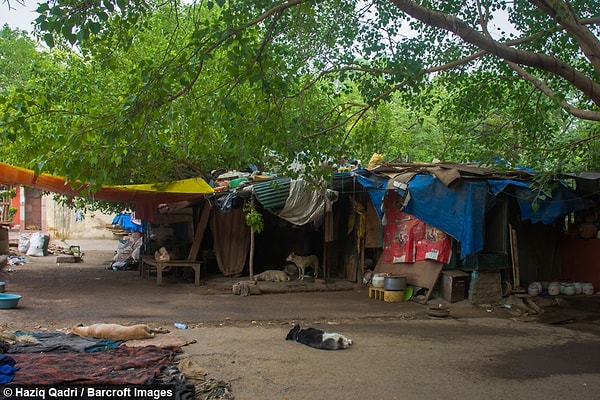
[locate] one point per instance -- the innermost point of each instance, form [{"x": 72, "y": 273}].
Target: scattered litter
[{"x": 245, "y": 288}]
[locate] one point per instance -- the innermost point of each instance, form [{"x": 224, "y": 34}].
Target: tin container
[{"x": 394, "y": 283}]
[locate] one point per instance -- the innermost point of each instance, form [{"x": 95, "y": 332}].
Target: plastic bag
[
  {"x": 36, "y": 245},
  {"x": 23, "y": 244}
]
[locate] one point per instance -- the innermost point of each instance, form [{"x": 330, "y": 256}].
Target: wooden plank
[
  {"x": 200, "y": 229},
  {"x": 420, "y": 273},
  {"x": 373, "y": 234},
  {"x": 514, "y": 251}
]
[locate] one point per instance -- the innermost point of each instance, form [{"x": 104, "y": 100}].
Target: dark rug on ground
[
  {"x": 120, "y": 366},
  {"x": 60, "y": 342}
]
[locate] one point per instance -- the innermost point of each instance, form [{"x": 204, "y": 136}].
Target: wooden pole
[{"x": 251, "y": 261}]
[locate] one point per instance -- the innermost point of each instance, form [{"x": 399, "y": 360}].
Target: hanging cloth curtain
[
  {"x": 306, "y": 203},
  {"x": 231, "y": 237}
]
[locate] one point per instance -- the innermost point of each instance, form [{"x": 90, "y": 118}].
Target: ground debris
[
  {"x": 245, "y": 288},
  {"x": 213, "y": 389},
  {"x": 522, "y": 307}
]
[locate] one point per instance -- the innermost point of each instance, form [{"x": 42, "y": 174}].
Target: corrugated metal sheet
[
  {"x": 343, "y": 182},
  {"x": 272, "y": 194}
]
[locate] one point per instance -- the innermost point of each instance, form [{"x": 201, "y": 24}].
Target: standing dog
[
  {"x": 318, "y": 339},
  {"x": 303, "y": 262}
]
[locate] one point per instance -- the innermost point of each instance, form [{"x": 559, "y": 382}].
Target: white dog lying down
[
  {"x": 273, "y": 275},
  {"x": 114, "y": 331}
]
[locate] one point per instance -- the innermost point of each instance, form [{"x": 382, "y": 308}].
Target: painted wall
[{"x": 581, "y": 260}]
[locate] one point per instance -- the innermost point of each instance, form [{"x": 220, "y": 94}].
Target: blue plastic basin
[{"x": 9, "y": 300}]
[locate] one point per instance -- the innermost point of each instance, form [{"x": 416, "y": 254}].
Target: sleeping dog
[
  {"x": 114, "y": 331},
  {"x": 273, "y": 275},
  {"x": 318, "y": 339}
]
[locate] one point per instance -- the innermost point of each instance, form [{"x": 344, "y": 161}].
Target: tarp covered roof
[
  {"x": 456, "y": 197},
  {"x": 146, "y": 197}
]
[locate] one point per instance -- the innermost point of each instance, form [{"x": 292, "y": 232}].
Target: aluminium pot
[{"x": 394, "y": 282}]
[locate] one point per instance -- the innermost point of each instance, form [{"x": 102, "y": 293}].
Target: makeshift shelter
[
  {"x": 491, "y": 215},
  {"x": 460, "y": 217},
  {"x": 145, "y": 197},
  {"x": 580, "y": 248},
  {"x": 453, "y": 217}
]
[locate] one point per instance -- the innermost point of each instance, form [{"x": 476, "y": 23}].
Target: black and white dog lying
[{"x": 318, "y": 339}]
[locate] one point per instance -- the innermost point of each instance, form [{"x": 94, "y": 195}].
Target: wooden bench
[
  {"x": 150, "y": 262},
  {"x": 160, "y": 266}
]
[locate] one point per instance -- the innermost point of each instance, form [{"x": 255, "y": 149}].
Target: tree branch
[
  {"x": 577, "y": 112},
  {"x": 544, "y": 62},
  {"x": 233, "y": 32},
  {"x": 564, "y": 15}
]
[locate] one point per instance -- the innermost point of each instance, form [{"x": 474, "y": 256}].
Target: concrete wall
[
  {"x": 485, "y": 287},
  {"x": 62, "y": 223}
]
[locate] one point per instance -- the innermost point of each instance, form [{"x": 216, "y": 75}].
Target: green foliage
[
  {"x": 75, "y": 22},
  {"x": 89, "y": 204},
  {"x": 8, "y": 193},
  {"x": 254, "y": 219},
  {"x": 133, "y": 91},
  {"x": 17, "y": 52}
]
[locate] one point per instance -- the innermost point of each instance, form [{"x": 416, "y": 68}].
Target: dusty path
[
  {"x": 406, "y": 359},
  {"x": 398, "y": 352}
]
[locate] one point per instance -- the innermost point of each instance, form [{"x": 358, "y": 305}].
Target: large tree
[
  {"x": 17, "y": 52},
  {"x": 517, "y": 80}
]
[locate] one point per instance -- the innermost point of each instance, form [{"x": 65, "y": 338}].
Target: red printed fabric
[
  {"x": 434, "y": 245},
  {"x": 120, "y": 366},
  {"x": 399, "y": 244},
  {"x": 407, "y": 239}
]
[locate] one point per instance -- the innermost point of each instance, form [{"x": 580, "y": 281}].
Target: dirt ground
[{"x": 398, "y": 352}]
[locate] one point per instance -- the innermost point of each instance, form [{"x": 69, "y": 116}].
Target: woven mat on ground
[{"x": 120, "y": 366}]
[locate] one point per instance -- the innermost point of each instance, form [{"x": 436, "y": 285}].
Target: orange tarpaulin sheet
[{"x": 145, "y": 197}]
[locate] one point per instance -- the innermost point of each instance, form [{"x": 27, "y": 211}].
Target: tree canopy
[{"x": 133, "y": 91}]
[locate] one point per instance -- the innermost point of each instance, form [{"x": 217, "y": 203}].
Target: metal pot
[{"x": 394, "y": 283}]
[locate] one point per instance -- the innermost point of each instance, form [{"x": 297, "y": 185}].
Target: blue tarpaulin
[
  {"x": 460, "y": 210},
  {"x": 124, "y": 220},
  {"x": 563, "y": 202},
  {"x": 376, "y": 188}
]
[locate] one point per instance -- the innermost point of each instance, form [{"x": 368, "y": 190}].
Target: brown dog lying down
[{"x": 114, "y": 331}]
